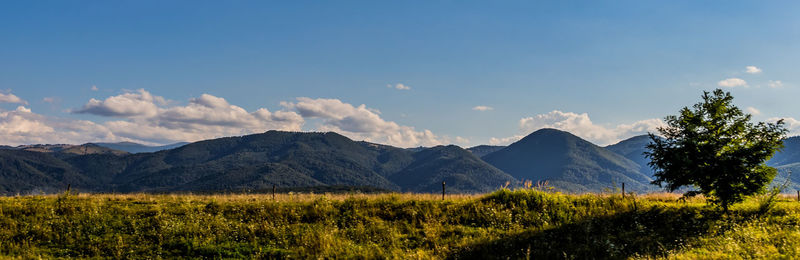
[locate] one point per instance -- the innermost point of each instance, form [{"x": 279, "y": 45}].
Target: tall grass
[{"x": 504, "y": 224}]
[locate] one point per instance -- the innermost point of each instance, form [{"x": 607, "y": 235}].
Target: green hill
[
  {"x": 460, "y": 169},
  {"x": 27, "y": 172}
]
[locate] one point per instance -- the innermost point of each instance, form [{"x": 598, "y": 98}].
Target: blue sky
[{"x": 169, "y": 71}]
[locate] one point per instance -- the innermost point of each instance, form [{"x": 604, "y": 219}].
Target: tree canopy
[{"x": 715, "y": 149}]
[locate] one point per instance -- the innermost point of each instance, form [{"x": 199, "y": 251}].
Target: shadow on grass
[{"x": 653, "y": 232}]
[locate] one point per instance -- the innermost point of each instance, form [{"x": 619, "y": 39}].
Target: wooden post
[
  {"x": 273, "y": 192},
  {"x": 798, "y": 195},
  {"x": 623, "y": 190},
  {"x": 442, "y": 190},
  {"x": 69, "y": 186}
]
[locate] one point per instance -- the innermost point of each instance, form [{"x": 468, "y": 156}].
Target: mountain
[
  {"x": 568, "y": 163},
  {"x": 252, "y": 162},
  {"x": 482, "y": 150},
  {"x": 633, "y": 148},
  {"x": 140, "y": 148},
  {"x": 789, "y": 154},
  {"x": 462, "y": 171},
  {"x": 259, "y": 161},
  {"x": 29, "y": 172},
  {"x": 787, "y": 161}
]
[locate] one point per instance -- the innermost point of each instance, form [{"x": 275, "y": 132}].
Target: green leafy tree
[{"x": 715, "y": 149}]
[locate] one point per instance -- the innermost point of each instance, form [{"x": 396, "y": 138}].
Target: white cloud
[
  {"x": 775, "y": 84},
  {"x": 94, "y": 88},
  {"x": 580, "y": 125},
  {"x": 482, "y": 108},
  {"x": 505, "y": 140},
  {"x": 49, "y": 100},
  {"x": 792, "y": 124},
  {"x": 752, "y": 111},
  {"x": 461, "y": 140},
  {"x": 399, "y": 86},
  {"x": 361, "y": 123},
  {"x": 11, "y": 98},
  {"x": 732, "y": 82},
  {"x": 22, "y": 126},
  {"x": 131, "y": 104},
  {"x": 146, "y": 118},
  {"x": 752, "y": 70}
]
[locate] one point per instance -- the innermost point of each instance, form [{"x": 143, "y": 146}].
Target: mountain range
[{"x": 307, "y": 160}]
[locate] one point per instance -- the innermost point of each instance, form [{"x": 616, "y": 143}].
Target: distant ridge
[
  {"x": 790, "y": 153},
  {"x": 140, "y": 148},
  {"x": 482, "y": 150},
  {"x": 634, "y": 148}
]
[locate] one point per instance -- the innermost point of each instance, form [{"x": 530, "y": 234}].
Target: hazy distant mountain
[
  {"x": 140, "y": 148},
  {"x": 787, "y": 161},
  {"x": 482, "y": 150},
  {"x": 789, "y": 154},
  {"x": 633, "y": 148},
  {"x": 461, "y": 170},
  {"x": 568, "y": 162}
]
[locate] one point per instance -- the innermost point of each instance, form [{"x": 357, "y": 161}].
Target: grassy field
[{"x": 505, "y": 224}]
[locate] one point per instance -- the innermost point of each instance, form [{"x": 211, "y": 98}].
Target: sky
[{"x": 404, "y": 73}]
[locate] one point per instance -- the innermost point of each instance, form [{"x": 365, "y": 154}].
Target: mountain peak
[{"x": 567, "y": 161}]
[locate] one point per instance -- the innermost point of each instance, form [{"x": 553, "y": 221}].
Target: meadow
[{"x": 518, "y": 224}]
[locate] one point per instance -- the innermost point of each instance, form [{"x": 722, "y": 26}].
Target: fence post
[
  {"x": 798, "y": 195},
  {"x": 273, "y": 192},
  {"x": 623, "y": 190},
  {"x": 443, "y": 190}
]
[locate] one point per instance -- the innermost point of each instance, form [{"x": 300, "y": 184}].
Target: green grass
[{"x": 503, "y": 224}]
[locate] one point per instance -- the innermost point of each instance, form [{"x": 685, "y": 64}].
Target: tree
[{"x": 715, "y": 149}]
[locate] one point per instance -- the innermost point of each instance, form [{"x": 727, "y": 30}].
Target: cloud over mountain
[
  {"x": 360, "y": 123},
  {"x": 22, "y": 126},
  {"x": 580, "y": 125},
  {"x": 144, "y": 117},
  {"x": 792, "y": 124},
  {"x": 150, "y": 118}
]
